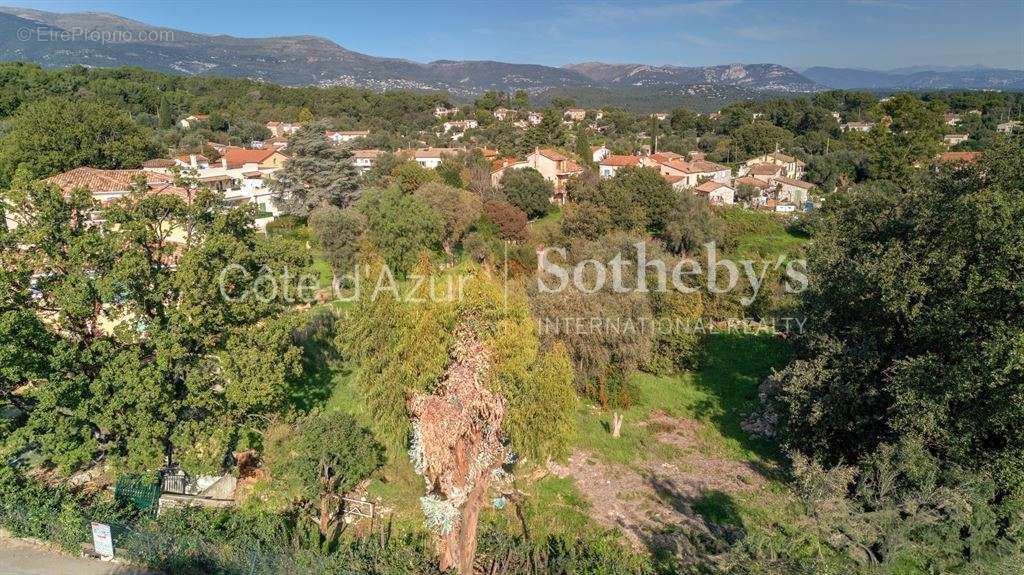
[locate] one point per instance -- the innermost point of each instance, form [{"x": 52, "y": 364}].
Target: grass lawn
[
  {"x": 723, "y": 393},
  {"x": 759, "y": 234}
]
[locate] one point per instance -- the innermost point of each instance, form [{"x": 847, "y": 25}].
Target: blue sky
[{"x": 879, "y": 34}]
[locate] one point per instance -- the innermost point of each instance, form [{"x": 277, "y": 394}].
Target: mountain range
[{"x": 57, "y": 40}]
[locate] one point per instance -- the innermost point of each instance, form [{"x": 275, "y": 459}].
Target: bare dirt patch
[{"x": 655, "y": 503}]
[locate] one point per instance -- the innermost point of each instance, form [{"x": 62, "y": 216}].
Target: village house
[
  {"x": 109, "y": 185},
  {"x": 498, "y": 167},
  {"x": 282, "y": 129},
  {"x": 1008, "y": 127},
  {"x": 716, "y": 193},
  {"x": 502, "y": 114},
  {"x": 459, "y": 125},
  {"x": 576, "y": 114},
  {"x": 857, "y": 126},
  {"x": 189, "y": 122},
  {"x": 534, "y": 118},
  {"x": 791, "y": 167},
  {"x": 953, "y": 139},
  {"x": 951, "y": 119},
  {"x": 790, "y": 191},
  {"x": 363, "y": 160},
  {"x": 765, "y": 172},
  {"x": 442, "y": 111},
  {"x": 432, "y": 157},
  {"x": 599, "y": 153},
  {"x": 687, "y": 174},
  {"x": 343, "y": 137},
  {"x": 660, "y": 116},
  {"x": 609, "y": 166},
  {"x": 555, "y": 167},
  {"x": 195, "y": 161},
  {"x": 965, "y": 157}
]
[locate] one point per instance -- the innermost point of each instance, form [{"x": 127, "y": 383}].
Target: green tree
[
  {"x": 410, "y": 175},
  {"x": 760, "y": 137},
  {"x": 339, "y": 232},
  {"x": 306, "y": 117},
  {"x": 318, "y": 460},
  {"x": 899, "y": 275},
  {"x": 54, "y": 135},
  {"x": 399, "y": 226},
  {"x": 458, "y": 210},
  {"x": 527, "y": 190},
  {"x": 316, "y": 174},
  {"x": 165, "y": 119}
]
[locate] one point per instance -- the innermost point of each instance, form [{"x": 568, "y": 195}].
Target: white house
[
  {"x": 857, "y": 126},
  {"x": 342, "y": 137},
  {"x": 534, "y": 118},
  {"x": 953, "y": 139},
  {"x": 189, "y": 122},
  {"x": 502, "y": 114},
  {"x": 610, "y": 165},
  {"x": 599, "y": 153},
  {"x": 952, "y": 119},
  {"x": 460, "y": 125},
  {"x": 443, "y": 111},
  {"x": 576, "y": 114},
  {"x": 791, "y": 167},
  {"x": 432, "y": 157},
  {"x": 1008, "y": 127},
  {"x": 363, "y": 160},
  {"x": 197, "y": 161}
]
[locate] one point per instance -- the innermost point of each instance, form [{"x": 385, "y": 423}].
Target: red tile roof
[
  {"x": 618, "y": 161},
  {"x": 752, "y": 182},
  {"x": 96, "y": 180},
  {"x": 795, "y": 183},
  {"x": 551, "y": 154},
  {"x": 710, "y": 186},
  {"x": 969, "y": 157},
  {"x": 238, "y": 157},
  {"x": 765, "y": 169}
]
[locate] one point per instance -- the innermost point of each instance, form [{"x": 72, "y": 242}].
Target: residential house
[
  {"x": 283, "y": 129},
  {"x": 660, "y": 116},
  {"x": 765, "y": 172},
  {"x": 521, "y": 124},
  {"x": 459, "y": 125},
  {"x": 576, "y": 114},
  {"x": 1008, "y": 127},
  {"x": 610, "y": 165},
  {"x": 687, "y": 174},
  {"x": 195, "y": 161},
  {"x": 432, "y": 157},
  {"x": 363, "y": 160},
  {"x": 343, "y": 137},
  {"x": 443, "y": 111},
  {"x": 951, "y": 119},
  {"x": 791, "y": 167},
  {"x": 498, "y": 167},
  {"x": 598, "y": 153},
  {"x": 838, "y": 117},
  {"x": 189, "y": 122},
  {"x": 266, "y": 159},
  {"x": 716, "y": 193},
  {"x": 857, "y": 126},
  {"x": 502, "y": 114},
  {"x": 796, "y": 192},
  {"x": 762, "y": 187},
  {"x": 966, "y": 157},
  {"x": 534, "y": 118},
  {"x": 555, "y": 167},
  {"x": 109, "y": 185},
  {"x": 953, "y": 139}
]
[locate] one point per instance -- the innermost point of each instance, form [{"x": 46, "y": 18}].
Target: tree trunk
[
  {"x": 458, "y": 548},
  {"x": 616, "y": 424}
]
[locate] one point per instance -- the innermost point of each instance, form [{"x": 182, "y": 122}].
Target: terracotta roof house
[
  {"x": 108, "y": 185},
  {"x": 266, "y": 158},
  {"x": 555, "y": 167},
  {"x": 365, "y": 159},
  {"x": 598, "y": 153},
  {"x": 791, "y": 191},
  {"x": 610, "y": 165},
  {"x": 967, "y": 157},
  {"x": 752, "y": 181},
  {"x": 716, "y": 192}
]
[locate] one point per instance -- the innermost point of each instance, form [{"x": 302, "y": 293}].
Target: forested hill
[{"x": 105, "y": 40}]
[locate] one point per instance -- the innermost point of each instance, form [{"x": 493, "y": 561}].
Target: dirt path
[{"x": 655, "y": 503}]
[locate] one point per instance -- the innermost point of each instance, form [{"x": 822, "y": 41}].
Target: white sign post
[{"x": 102, "y": 541}]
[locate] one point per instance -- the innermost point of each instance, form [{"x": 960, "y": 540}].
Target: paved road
[{"x": 22, "y": 558}]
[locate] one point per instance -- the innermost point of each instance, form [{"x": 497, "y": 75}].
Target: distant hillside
[
  {"x": 751, "y": 76},
  {"x": 108, "y": 40},
  {"x": 918, "y": 79}
]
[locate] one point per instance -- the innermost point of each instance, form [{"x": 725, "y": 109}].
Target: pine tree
[{"x": 317, "y": 174}]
